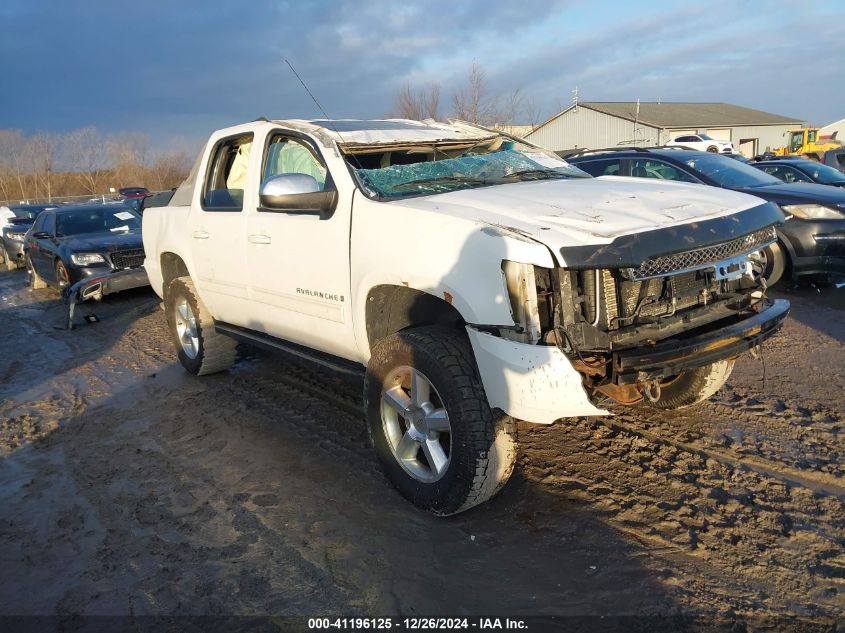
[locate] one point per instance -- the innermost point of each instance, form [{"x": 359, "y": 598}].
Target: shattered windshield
[{"x": 436, "y": 169}]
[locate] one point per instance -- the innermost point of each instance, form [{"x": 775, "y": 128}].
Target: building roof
[{"x": 681, "y": 115}]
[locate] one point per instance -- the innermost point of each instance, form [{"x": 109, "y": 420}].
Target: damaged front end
[
  {"x": 626, "y": 329},
  {"x": 97, "y": 286}
]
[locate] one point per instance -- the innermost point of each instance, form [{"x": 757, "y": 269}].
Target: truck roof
[{"x": 352, "y": 132}]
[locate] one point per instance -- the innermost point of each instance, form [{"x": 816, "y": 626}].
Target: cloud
[{"x": 181, "y": 69}]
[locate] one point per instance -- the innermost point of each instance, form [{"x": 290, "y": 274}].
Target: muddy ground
[{"x": 128, "y": 487}]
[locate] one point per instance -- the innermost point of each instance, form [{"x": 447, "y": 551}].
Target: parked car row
[
  {"x": 84, "y": 251},
  {"x": 810, "y": 243}
]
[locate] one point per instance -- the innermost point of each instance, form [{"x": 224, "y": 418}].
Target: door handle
[
  {"x": 259, "y": 238},
  {"x": 200, "y": 235}
]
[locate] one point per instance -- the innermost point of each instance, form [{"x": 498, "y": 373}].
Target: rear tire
[
  {"x": 201, "y": 349},
  {"x": 694, "y": 386},
  {"x": 439, "y": 442},
  {"x": 35, "y": 282}
]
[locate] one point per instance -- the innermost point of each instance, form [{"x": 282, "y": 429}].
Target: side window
[
  {"x": 50, "y": 223},
  {"x": 601, "y": 167},
  {"x": 38, "y": 225},
  {"x": 642, "y": 168},
  {"x": 226, "y": 178},
  {"x": 790, "y": 174},
  {"x": 287, "y": 155}
]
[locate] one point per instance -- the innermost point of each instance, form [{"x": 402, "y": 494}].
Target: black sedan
[
  {"x": 801, "y": 170},
  {"x": 811, "y": 242},
  {"x": 91, "y": 250},
  {"x": 14, "y": 231}
]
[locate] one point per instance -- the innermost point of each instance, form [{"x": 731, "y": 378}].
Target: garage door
[
  {"x": 721, "y": 134},
  {"x": 748, "y": 147}
]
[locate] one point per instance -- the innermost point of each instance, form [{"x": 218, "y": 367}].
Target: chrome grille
[
  {"x": 128, "y": 259},
  {"x": 703, "y": 257}
]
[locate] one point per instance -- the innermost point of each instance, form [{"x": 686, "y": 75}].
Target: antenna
[
  {"x": 314, "y": 99},
  {"x": 327, "y": 117},
  {"x": 575, "y": 98}
]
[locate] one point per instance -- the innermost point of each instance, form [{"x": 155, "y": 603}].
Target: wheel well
[
  {"x": 394, "y": 308},
  {"x": 172, "y": 266}
]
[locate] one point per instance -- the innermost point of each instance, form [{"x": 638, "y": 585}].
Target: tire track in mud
[
  {"x": 776, "y": 540},
  {"x": 755, "y": 522},
  {"x": 316, "y": 407},
  {"x": 59, "y": 373}
]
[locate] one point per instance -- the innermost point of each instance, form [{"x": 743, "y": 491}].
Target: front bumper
[
  {"x": 534, "y": 383},
  {"x": 676, "y": 355},
  {"x": 817, "y": 247},
  {"x": 97, "y": 286},
  {"x": 537, "y": 383}
]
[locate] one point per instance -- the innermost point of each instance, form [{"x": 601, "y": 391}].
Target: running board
[{"x": 324, "y": 359}]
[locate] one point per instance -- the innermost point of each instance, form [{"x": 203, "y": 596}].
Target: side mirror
[{"x": 297, "y": 194}]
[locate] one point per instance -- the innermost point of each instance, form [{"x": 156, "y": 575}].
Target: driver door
[{"x": 299, "y": 262}]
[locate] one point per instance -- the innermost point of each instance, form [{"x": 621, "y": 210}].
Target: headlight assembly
[
  {"x": 18, "y": 237},
  {"x": 813, "y": 212},
  {"x": 86, "y": 259}
]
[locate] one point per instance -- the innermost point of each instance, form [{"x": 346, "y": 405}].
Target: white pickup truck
[{"x": 475, "y": 279}]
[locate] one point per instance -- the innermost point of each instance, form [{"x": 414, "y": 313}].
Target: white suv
[{"x": 703, "y": 143}]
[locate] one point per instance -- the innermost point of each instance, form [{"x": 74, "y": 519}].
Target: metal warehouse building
[{"x": 596, "y": 124}]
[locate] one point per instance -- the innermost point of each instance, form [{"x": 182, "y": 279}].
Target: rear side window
[
  {"x": 787, "y": 174},
  {"x": 227, "y": 174},
  {"x": 609, "y": 167},
  {"x": 641, "y": 168}
]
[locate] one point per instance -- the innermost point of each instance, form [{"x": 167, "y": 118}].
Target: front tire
[
  {"x": 439, "y": 442},
  {"x": 62, "y": 276},
  {"x": 692, "y": 387},
  {"x": 713, "y": 149},
  {"x": 773, "y": 263},
  {"x": 201, "y": 349}
]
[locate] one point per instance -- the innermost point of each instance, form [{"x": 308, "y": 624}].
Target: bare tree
[
  {"x": 128, "y": 157},
  {"x": 531, "y": 112},
  {"x": 511, "y": 109},
  {"x": 11, "y": 178},
  {"x": 88, "y": 158},
  {"x": 417, "y": 104},
  {"x": 472, "y": 103},
  {"x": 169, "y": 170},
  {"x": 41, "y": 150}
]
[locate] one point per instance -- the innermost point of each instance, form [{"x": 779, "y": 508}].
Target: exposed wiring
[{"x": 558, "y": 331}]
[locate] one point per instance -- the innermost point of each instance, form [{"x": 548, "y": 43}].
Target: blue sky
[{"x": 176, "y": 70}]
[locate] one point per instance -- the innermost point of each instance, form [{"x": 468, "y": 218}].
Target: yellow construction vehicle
[{"x": 807, "y": 142}]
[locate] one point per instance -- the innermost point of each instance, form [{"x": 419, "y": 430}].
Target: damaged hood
[{"x": 586, "y": 211}]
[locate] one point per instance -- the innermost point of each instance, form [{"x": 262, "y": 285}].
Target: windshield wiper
[
  {"x": 535, "y": 174},
  {"x": 469, "y": 180}
]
